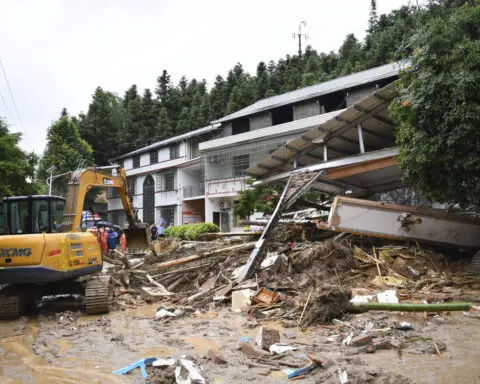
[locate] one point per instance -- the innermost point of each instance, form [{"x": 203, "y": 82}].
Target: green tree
[
  {"x": 17, "y": 168},
  {"x": 260, "y": 199},
  {"x": 163, "y": 87},
  {"x": 148, "y": 120},
  {"x": 131, "y": 125},
  {"x": 438, "y": 113},
  {"x": 164, "y": 129},
  {"x": 66, "y": 151},
  {"x": 102, "y": 124}
]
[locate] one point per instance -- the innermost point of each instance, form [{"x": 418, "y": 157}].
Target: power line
[
  {"x": 5, "y": 104},
  {"x": 13, "y": 99}
]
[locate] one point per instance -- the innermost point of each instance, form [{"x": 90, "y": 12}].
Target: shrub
[{"x": 191, "y": 231}]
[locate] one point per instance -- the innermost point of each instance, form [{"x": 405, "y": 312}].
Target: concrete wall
[
  {"x": 354, "y": 96},
  {"x": 164, "y": 154},
  {"x": 144, "y": 159},
  {"x": 261, "y": 120},
  {"x": 307, "y": 109},
  {"x": 128, "y": 163}
]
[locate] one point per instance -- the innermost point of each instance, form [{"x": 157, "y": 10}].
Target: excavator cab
[{"x": 22, "y": 215}]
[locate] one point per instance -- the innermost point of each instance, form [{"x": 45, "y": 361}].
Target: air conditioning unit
[{"x": 225, "y": 204}]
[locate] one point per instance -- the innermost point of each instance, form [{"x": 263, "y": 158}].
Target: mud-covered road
[{"x": 72, "y": 348}]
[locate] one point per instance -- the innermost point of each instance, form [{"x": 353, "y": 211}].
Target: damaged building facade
[{"x": 198, "y": 176}]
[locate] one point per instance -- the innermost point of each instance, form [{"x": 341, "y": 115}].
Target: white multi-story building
[
  {"x": 166, "y": 180},
  {"x": 198, "y": 176}
]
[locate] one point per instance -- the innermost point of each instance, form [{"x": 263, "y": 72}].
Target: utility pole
[
  {"x": 50, "y": 179},
  {"x": 299, "y": 34}
]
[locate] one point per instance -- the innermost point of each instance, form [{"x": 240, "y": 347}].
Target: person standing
[
  {"x": 154, "y": 232},
  {"x": 111, "y": 239},
  {"x": 160, "y": 230}
]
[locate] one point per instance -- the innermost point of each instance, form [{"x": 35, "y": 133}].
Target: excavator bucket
[{"x": 138, "y": 237}]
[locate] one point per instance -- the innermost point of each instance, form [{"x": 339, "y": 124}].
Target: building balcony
[{"x": 195, "y": 190}]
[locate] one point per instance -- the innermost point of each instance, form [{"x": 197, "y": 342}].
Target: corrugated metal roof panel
[
  {"x": 341, "y": 131},
  {"x": 275, "y": 130},
  {"x": 356, "y": 79},
  {"x": 171, "y": 140}
]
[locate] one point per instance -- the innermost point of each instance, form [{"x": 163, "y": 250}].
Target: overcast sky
[{"x": 56, "y": 52}]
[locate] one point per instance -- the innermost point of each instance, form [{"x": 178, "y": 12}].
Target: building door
[
  {"x": 149, "y": 200},
  {"x": 224, "y": 222},
  {"x": 216, "y": 219}
]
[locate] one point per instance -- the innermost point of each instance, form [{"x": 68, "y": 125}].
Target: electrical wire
[
  {"x": 13, "y": 99},
  {"x": 5, "y": 104}
]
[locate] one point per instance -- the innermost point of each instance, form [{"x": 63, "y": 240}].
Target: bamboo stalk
[
  {"x": 304, "y": 308},
  {"x": 409, "y": 307},
  {"x": 187, "y": 259}
]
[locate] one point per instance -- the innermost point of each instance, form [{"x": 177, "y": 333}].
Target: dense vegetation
[
  {"x": 191, "y": 231},
  {"x": 17, "y": 168},
  {"x": 438, "y": 116}
]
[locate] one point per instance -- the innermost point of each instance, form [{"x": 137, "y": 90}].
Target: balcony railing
[{"x": 193, "y": 190}]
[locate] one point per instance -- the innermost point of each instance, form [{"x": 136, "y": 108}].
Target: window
[
  {"x": 20, "y": 217},
  {"x": 113, "y": 193},
  {"x": 166, "y": 181},
  {"x": 57, "y": 215},
  {"x": 169, "y": 181},
  {"x": 40, "y": 216},
  {"x": 136, "y": 161},
  {"x": 240, "y": 164},
  {"x": 240, "y": 126},
  {"x": 194, "y": 148},
  {"x": 117, "y": 218},
  {"x": 173, "y": 152},
  {"x": 132, "y": 183},
  {"x": 154, "y": 157},
  {"x": 167, "y": 215}
]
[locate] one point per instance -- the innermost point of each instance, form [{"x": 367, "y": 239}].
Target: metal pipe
[
  {"x": 325, "y": 152},
  {"x": 360, "y": 138}
]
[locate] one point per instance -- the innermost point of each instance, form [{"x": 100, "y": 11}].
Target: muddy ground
[{"x": 72, "y": 348}]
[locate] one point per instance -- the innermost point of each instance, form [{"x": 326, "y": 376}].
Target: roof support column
[
  {"x": 325, "y": 152},
  {"x": 360, "y": 138}
]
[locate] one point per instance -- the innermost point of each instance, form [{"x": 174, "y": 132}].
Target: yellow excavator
[{"x": 45, "y": 248}]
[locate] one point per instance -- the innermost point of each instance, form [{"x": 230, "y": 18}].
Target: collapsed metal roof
[
  {"x": 337, "y": 137},
  {"x": 342, "y": 83}
]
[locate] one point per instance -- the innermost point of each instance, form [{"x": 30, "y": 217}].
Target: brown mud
[{"x": 68, "y": 348}]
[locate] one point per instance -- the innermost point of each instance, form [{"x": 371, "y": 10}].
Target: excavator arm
[{"x": 85, "y": 179}]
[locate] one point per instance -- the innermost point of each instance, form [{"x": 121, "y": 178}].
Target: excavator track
[
  {"x": 98, "y": 295},
  {"x": 9, "y": 306}
]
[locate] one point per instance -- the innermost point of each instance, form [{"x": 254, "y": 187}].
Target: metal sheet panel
[
  {"x": 302, "y": 125},
  {"x": 341, "y": 130},
  {"x": 171, "y": 140},
  {"x": 384, "y": 220},
  {"x": 346, "y": 82}
]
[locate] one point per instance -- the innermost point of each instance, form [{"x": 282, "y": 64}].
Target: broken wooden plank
[{"x": 158, "y": 285}]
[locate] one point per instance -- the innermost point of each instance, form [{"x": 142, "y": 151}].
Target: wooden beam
[{"x": 355, "y": 169}]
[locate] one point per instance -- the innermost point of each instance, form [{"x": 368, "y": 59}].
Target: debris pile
[{"x": 301, "y": 285}]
